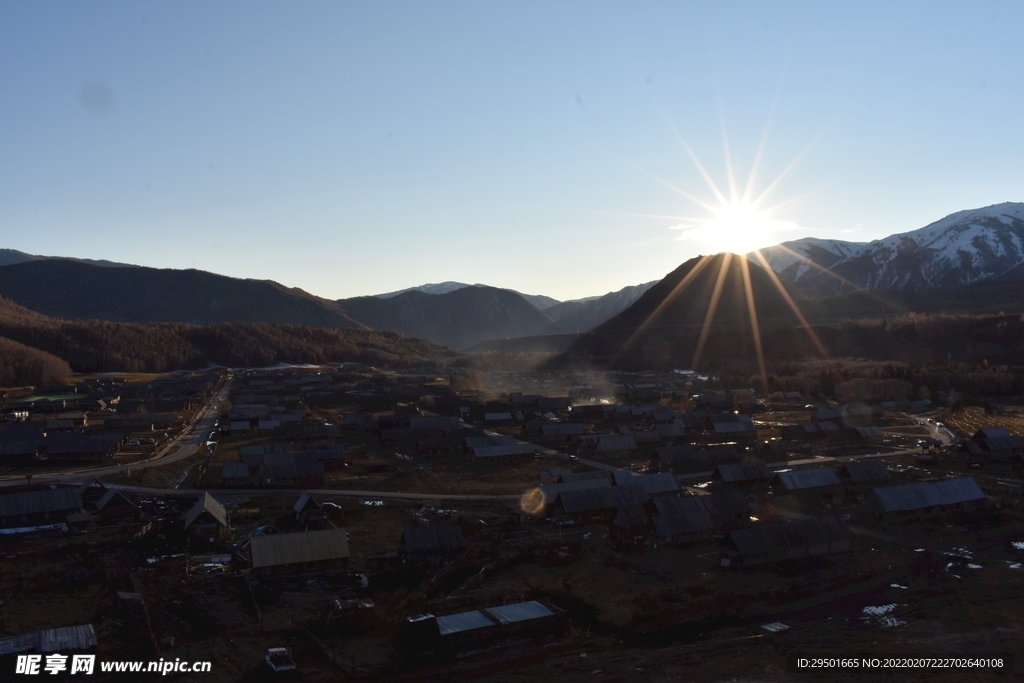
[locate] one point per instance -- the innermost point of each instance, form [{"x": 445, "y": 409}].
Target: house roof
[
  {"x": 584, "y": 476},
  {"x": 604, "y": 498},
  {"x": 305, "y": 500},
  {"x": 109, "y": 496},
  {"x": 743, "y": 471},
  {"x": 561, "y": 429},
  {"x": 631, "y": 516},
  {"x": 504, "y": 450},
  {"x": 520, "y": 611},
  {"x": 808, "y": 479},
  {"x": 485, "y": 441},
  {"x": 616, "y": 442},
  {"x": 279, "y": 550},
  {"x": 926, "y": 494},
  {"x": 65, "y": 638},
  {"x": 464, "y": 621},
  {"x": 40, "y": 502},
  {"x": 866, "y": 470},
  {"x": 207, "y": 503},
  {"x": 766, "y": 538},
  {"x": 551, "y": 492}
]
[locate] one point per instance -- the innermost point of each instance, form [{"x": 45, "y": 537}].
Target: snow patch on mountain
[{"x": 962, "y": 248}]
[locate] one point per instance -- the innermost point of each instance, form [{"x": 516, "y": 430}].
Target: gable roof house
[
  {"x": 928, "y": 499},
  {"x": 766, "y": 543},
  {"x": 207, "y": 520},
  {"x": 304, "y": 552},
  {"x": 36, "y": 508}
]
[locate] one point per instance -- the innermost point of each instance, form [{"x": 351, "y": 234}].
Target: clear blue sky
[{"x": 358, "y": 148}]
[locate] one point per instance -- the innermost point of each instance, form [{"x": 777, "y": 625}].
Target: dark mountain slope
[
  {"x": 72, "y": 290},
  {"x": 650, "y": 334},
  {"x": 458, "y": 319},
  {"x": 104, "y": 346}
]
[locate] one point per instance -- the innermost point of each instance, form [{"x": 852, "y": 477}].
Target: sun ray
[
  {"x": 754, "y": 325},
  {"x": 676, "y": 291},
  {"x": 700, "y": 166},
  {"x": 712, "y": 307},
  {"x": 655, "y": 215},
  {"x": 677, "y": 190},
  {"x": 792, "y": 304},
  {"x": 778, "y": 180},
  {"x": 730, "y": 175}
]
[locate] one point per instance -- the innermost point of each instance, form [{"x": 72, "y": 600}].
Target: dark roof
[
  {"x": 605, "y": 498},
  {"x": 766, "y": 538},
  {"x": 616, "y": 442},
  {"x": 584, "y": 476},
  {"x": 631, "y": 516},
  {"x": 808, "y": 479},
  {"x": 654, "y": 483},
  {"x": 435, "y": 539},
  {"x": 61, "y": 443},
  {"x": 991, "y": 433},
  {"x": 307, "y": 546},
  {"x": 63, "y": 639},
  {"x": 40, "y": 502},
  {"x": 234, "y": 470},
  {"x": 109, "y": 496},
  {"x": 744, "y": 471},
  {"x": 207, "y": 503},
  {"x": 551, "y": 492},
  {"x": 926, "y": 494},
  {"x": 463, "y": 621},
  {"x": 304, "y": 501},
  {"x": 561, "y": 429},
  {"x": 520, "y": 611},
  {"x": 866, "y": 471}
]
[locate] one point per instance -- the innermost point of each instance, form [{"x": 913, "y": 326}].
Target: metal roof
[
  {"x": 616, "y": 442},
  {"x": 40, "y": 502},
  {"x": 551, "y": 492},
  {"x": 866, "y": 470},
  {"x": 307, "y": 546},
  {"x": 808, "y": 479},
  {"x": 520, "y": 611},
  {"x": 485, "y": 441},
  {"x": 656, "y": 483},
  {"x": 926, "y": 494},
  {"x": 605, "y": 498},
  {"x": 766, "y": 538},
  {"x": 65, "y": 638},
  {"x": 504, "y": 450},
  {"x": 207, "y": 503},
  {"x": 304, "y": 500},
  {"x": 464, "y": 621},
  {"x": 561, "y": 429},
  {"x": 743, "y": 471},
  {"x": 681, "y": 524},
  {"x": 230, "y": 470},
  {"x": 604, "y": 475}
]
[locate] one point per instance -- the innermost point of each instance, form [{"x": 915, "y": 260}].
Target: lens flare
[{"x": 532, "y": 502}]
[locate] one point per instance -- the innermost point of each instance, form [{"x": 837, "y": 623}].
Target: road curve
[{"x": 192, "y": 436}]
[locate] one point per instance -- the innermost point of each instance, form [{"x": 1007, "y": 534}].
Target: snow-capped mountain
[
  {"x": 797, "y": 258},
  {"x": 965, "y": 247}
]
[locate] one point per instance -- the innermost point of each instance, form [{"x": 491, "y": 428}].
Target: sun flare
[{"x": 736, "y": 228}]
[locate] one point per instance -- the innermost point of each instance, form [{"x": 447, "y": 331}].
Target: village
[{"x": 447, "y": 524}]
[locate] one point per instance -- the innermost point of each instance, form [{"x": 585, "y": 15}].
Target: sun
[{"x": 735, "y": 227}]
